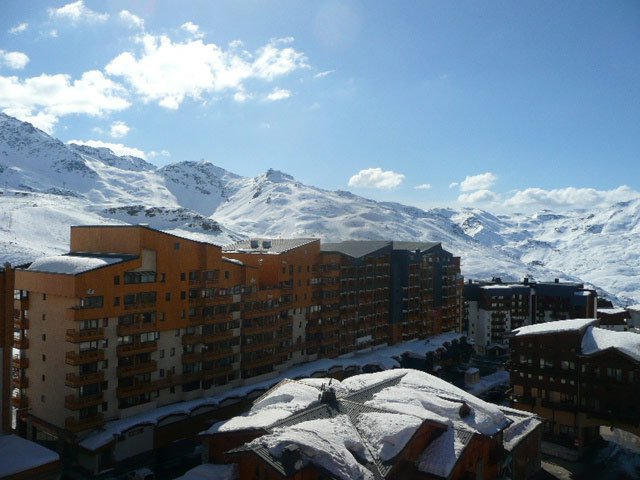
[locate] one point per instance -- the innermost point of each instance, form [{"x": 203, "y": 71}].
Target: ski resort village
[{"x": 325, "y": 240}]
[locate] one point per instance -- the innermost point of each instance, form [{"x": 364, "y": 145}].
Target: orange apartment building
[{"x": 133, "y": 318}]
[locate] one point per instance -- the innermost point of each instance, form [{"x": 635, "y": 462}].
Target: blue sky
[{"x": 500, "y": 105}]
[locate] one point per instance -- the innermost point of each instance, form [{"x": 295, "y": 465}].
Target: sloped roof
[
  {"x": 557, "y": 326},
  {"x": 272, "y": 246},
  {"x": 356, "y": 248}
]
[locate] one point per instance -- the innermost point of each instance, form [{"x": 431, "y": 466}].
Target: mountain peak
[{"x": 276, "y": 176}]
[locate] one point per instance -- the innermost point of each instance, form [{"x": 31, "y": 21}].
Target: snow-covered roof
[
  {"x": 612, "y": 311},
  {"x": 596, "y": 340},
  {"x": 21, "y": 455},
  {"x": 635, "y": 308},
  {"x": 556, "y": 326},
  {"x": 209, "y": 471},
  {"x": 71, "y": 264},
  {"x": 523, "y": 423},
  {"x": 267, "y": 246},
  {"x": 370, "y": 421},
  {"x": 232, "y": 260}
]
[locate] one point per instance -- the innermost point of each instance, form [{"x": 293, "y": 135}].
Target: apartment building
[
  {"x": 6, "y": 346},
  {"x": 133, "y": 318},
  {"x": 493, "y": 309},
  {"x": 578, "y": 377},
  {"x": 394, "y": 291}
]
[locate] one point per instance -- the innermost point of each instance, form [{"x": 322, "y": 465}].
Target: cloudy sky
[{"x": 500, "y": 105}]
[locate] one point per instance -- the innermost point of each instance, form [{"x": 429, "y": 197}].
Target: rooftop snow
[
  {"x": 269, "y": 246},
  {"x": 598, "y": 339},
  {"x": 557, "y": 326},
  {"x": 612, "y": 311},
  {"x": 443, "y": 453},
  {"x": 388, "y": 433},
  {"x": 209, "y": 471},
  {"x": 19, "y": 455},
  {"x": 71, "y": 264},
  {"x": 523, "y": 424}
]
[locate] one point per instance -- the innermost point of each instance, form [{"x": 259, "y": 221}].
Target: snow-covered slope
[{"x": 48, "y": 186}]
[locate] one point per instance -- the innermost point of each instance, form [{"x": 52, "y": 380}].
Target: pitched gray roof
[
  {"x": 356, "y": 248},
  {"x": 267, "y": 245}
]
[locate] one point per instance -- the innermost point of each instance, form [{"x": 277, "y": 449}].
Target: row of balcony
[{"x": 89, "y": 335}]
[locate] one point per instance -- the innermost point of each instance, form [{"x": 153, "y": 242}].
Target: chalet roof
[
  {"x": 267, "y": 245},
  {"x": 573, "y": 325},
  {"x": 76, "y": 263},
  {"x": 356, "y": 248},
  {"x": 597, "y": 340}
]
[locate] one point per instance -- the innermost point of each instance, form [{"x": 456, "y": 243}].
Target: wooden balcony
[
  {"x": 218, "y": 336},
  {"x": 135, "y": 328},
  {"x": 21, "y": 343},
  {"x": 76, "y": 425},
  {"x": 144, "y": 367},
  {"x": 216, "y": 354},
  {"x": 20, "y": 402},
  {"x": 75, "y": 402},
  {"x": 20, "y": 382},
  {"x": 254, "y": 347},
  {"x": 78, "y": 380},
  {"x": 135, "y": 348},
  {"x": 191, "y": 357},
  {"x": 218, "y": 372},
  {"x": 141, "y": 306},
  {"x": 89, "y": 335},
  {"x": 133, "y": 390},
  {"x": 20, "y": 323},
  {"x": 191, "y": 339},
  {"x": 253, "y": 329},
  {"x": 88, "y": 356},
  {"x": 20, "y": 362},
  {"x": 78, "y": 314}
]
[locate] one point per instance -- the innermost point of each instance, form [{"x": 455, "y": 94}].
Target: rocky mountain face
[{"x": 47, "y": 186}]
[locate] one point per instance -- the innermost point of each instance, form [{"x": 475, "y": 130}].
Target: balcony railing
[
  {"x": 21, "y": 343},
  {"x": 20, "y": 402},
  {"x": 142, "y": 327},
  {"x": 88, "y": 356},
  {"x": 191, "y": 357},
  {"x": 218, "y": 372},
  {"x": 77, "y": 336},
  {"x": 135, "y": 348},
  {"x": 20, "y": 323},
  {"x": 137, "y": 389},
  {"x": 77, "y": 380},
  {"x": 20, "y": 362},
  {"x": 191, "y": 339},
  {"x": 144, "y": 367},
  {"x": 75, "y": 402},
  {"x": 140, "y": 306},
  {"x": 78, "y": 425},
  {"x": 20, "y": 382},
  {"x": 216, "y": 354}
]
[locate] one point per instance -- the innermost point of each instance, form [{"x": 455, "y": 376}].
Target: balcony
[
  {"x": 253, "y": 329},
  {"x": 191, "y": 339},
  {"x": 259, "y": 362},
  {"x": 21, "y": 343},
  {"x": 20, "y": 382},
  {"x": 78, "y": 425},
  {"x": 218, "y": 336},
  {"x": 20, "y": 402},
  {"x": 135, "y": 328},
  {"x": 77, "y": 336},
  {"x": 78, "y": 380},
  {"x": 20, "y": 323},
  {"x": 88, "y": 356},
  {"x": 139, "y": 389},
  {"x": 20, "y": 362},
  {"x": 218, "y": 372},
  {"x": 144, "y": 367},
  {"x": 75, "y": 402},
  {"x": 216, "y": 354},
  {"x": 191, "y": 357},
  {"x": 253, "y": 347},
  {"x": 135, "y": 348}
]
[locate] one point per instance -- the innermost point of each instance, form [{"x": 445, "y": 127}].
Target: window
[
  {"x": 167, "y": 296},
  {"x": 227, "y": 274},
  {"x": 183, "y": 295},
  {"x": 44, "y": 296},
  {"x": 42, "y": 398},
  {"x": 44, "y": 357},
  {"x": 162, "y": 353},
  {"x": 183, "y": 276},
  {"x": 116, "y": 301},
  {"x": 92, "y": 302},
  {"x": 44, "y": 316},
  {"x": 105, "y": 406},
  {"x": 176, "y": 246},
  {"x": 139, "y": 277},
  {"x": 44, "y": 337},
  {"x": 116, "y": 280},
  {"x": 177, "y": 332},
  {"x": 43, "y": 377},
  {"x": 163, "y": 277},
  {"x": 172, "y": 352}
]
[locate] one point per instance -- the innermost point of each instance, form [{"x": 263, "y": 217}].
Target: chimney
[
  {"x": 557, "y": 280},
  {"x": 526, "y": 280},
  {"x": 291, "y": 459}
]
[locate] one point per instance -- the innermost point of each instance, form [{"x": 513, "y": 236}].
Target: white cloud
[
  {"x": 569, "y": 197},
  {"x": 21, "y": 27},
  {"x": 193, "y": 29},
  {"x": 76, "y": 12},
  {"x": 241, "y": 96},
  {"x": 323, "y": 74},
  {"x": 131, "y": 20},
  {"x": 14, "y": 60},
  {"x": 423, "y": 186},
  {"x": 453, "y": 184},
  {"x": 167, "y": 72},
  {"x": 162, "y": 153},
  {"x": 53, "y": 33},
  {"x": 117, "y": 148},
  {"x": 479, "y": 196},
  {"x": 482, "y": 181},
  {"x": 278, "y": 94},
  {"x": 42, "y": 100},
  {"x": 376, "y": 178},
  {"x": 119, "y": 129}
]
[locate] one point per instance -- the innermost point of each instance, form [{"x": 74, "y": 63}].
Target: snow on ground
[
  {"x": 18, "y": 455},
  {"x": 489, "y": 381},
  {"x": 208, "y": 471}
]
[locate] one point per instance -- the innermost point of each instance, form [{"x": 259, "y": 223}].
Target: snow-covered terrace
[
  {"x": 555, "y": 327},
  {"x": 385, "y": 358}
]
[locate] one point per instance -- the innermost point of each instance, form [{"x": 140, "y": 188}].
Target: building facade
[
  {"x": 493, "y": 309},
  {"x": 578, "y": 377},
  {"x": 7, "y": 379}
]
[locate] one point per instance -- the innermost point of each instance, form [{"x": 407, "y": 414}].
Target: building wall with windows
[{"x": 7, "y": 380}]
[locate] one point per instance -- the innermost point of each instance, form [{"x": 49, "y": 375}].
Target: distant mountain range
[{"x": 48, "y": 186}]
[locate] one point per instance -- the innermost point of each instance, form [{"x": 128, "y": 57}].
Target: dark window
[
  {"x": 92, "y": 302},
  {"x": 116, "y": 280}
]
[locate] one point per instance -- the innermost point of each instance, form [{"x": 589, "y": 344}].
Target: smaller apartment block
[
  {"x": 578, "y": 377},
  {"x": 494, "y": 309},
  {"x": 133, "y": 318}
]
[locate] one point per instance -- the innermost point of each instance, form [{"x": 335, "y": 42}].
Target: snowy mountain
[{"x": 48, "y": 186}]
